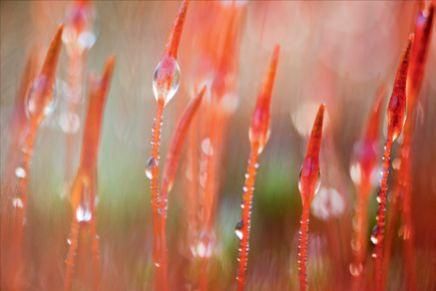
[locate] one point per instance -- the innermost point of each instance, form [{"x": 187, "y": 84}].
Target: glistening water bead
[{"x": 166, "y": 79}]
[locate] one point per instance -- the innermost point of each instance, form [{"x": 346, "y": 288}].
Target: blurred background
[{"x": 334, "y": 52}]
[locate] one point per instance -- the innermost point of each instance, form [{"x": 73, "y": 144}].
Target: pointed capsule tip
[{"x": 176, "y": 33}]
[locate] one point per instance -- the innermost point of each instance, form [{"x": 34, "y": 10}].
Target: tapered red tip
[
  {"x": 397, "y": 102},
  {"x": 176, "y": 33},
  {"x": 373, "y": 123},
  {"x": 53, "y": 52},
  {"x": 269, "y": 82},
  {"x": 260, "y": 122},
  {"x": 316, "y": 133}
]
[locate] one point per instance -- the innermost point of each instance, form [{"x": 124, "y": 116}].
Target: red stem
[
  {"x": 247, "y": 202},
  {"x": 380, "y": 276},
  {"x": 303, "y": 242}
]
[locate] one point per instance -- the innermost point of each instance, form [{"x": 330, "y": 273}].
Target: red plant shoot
[
  {"x": 259, "y": 133},
  {"x": 402, "y": 191},
  {"x": 84, "y": 188},
  {"x": 176, "y": 145},
  {"x": 36, "y": 106},
  {"x": 11, "y": 238},
  {"x": 396, "y": 115},
  {"x": 366, "y": 155},
  {"x": 308, "y": 184},
  {"x": 166, "y": 80}
]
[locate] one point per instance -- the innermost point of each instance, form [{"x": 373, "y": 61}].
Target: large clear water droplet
[
  {"x": 17, "y": 203},
  {"x": 69, "y": 122},
  {"x": 306, "y": 172},
  {"x": 166, "y": 79},
  {"x": 34, "y": 98},
  {"x": 83, "y": 213},
  {"x": 151, "y": 163},
  {"x": 356, "y": 173},
  {"x": 20, "y": 173},
  {"x": 206, "y": 146},
  {"x": 238, "y": 230}
]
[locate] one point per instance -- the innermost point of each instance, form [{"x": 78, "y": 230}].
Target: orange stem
[{"x": 245, "y": 223}]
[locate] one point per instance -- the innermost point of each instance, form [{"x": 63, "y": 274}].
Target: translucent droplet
[
  {"x": 327, "y": 203},
  {"x": 157, "y": 264},
  {"x": 356, "y": 269},
  {"x": 34, "y": 98},
  {"x": 375, "y": 235},
  {"x": 306, "y": 174},
  {"x": 238, "y": 230},
  {"x": 355, "y": 245},
  {"x": 203, "y": 246},
  {"x": 69, "y": 242},
  {"x": 206, "y": 147},
  {"x": 151, "y": 163},
  {"x": 17, "y": 203},
  {"x": 83, "y": 213},
  {"x": 229, "y": 103},
  {"x": 69, "y": 122},
  {"x": 405, "y": 232},
  {"x": 86, "y": 39},
  {"x": 20, "y": 173},
  {"x": 356, "y": 173},
  {"x": 166, "y": 79}
]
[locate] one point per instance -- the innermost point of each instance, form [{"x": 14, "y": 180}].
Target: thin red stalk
[
  {"x": 165, "y": 87},
  {"x": 245, "y": 224},
  {"x": 84, "y": 188},
  {"x": 396, "y": 115},
  {"x": 36, "y": 99},
  {"x": 420, "y": 46},
  {"x": 176, "y": 145},
  {"x": 11, "y": 241},
  {"x": 366, "y": 154},
  {"x": 308, "y": 185},
  {"x": 169, "y": 173},
  {"x": 258, "y": 135},
  {"x": 159, "y": 239}
]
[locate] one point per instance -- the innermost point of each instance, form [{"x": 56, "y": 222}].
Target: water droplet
[
  {"x": 306, "y": 178},
  {"x": 206, "y": 147},
  {"x": 356, "y": 269},
  {"x": 157, "y": 264},
  {"x": 204, "y": 245},
  {"x": 86, "y": 39},
  {"x": 151, "y": 163},
  {"x": 405, "y": 232},
  {"x": 83, "y": 213},
  {"x": 355, "y": 245},
  {"x": 20, "y": 173},
  {"x": 69, "y": 242},
  {"x": 238, "y": 230},
  {"x": 17, "y": 203},
  {"x": 166, "y": 79},
  {"x": 69, "y": 122},
  {"x": 328, "y": 203},
  {"x": 34, "y": 98},
  {"x": 229, "y": 103},
  {"x": 375, "y": 235},
  {"x": 356, "y": 173}
]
